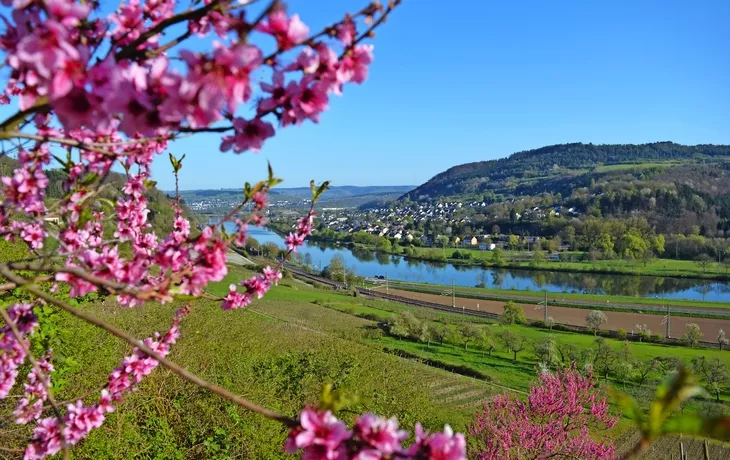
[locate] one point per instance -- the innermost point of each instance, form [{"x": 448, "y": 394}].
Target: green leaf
[
  {"x": 336, "y": 400},
  {"x": 629, "y": 406},
  {"x": 319, "y": 190},
  {"x": 63, "y": 163},
  {"x": 84, "y": 217},
  {"x": 150, "y": 183},
  {"x": 669, "y": 396},
  {"x": 108, "y": 202},
  {"x": 694, "y": 425},
  {"x": 90, "y": 179}
]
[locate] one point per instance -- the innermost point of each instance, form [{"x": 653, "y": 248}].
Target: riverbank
[{"x": 668, "y": 268}]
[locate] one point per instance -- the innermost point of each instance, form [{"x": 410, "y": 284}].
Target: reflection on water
[{"x": 369, "y": 263}]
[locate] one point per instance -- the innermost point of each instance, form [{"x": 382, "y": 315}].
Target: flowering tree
[
  {"x": 95, "y": 94},
  {"x": 553, "y": 422}
]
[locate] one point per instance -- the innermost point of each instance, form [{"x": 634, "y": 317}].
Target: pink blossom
[
  {"x": 308, "y": 100},
  {"x": 320, "y": 432},
  {"x": 288, "y": 32},
  {"x": 294, "y": 240},
  {"x": 552, "y": 423},
  {"x": 235, "y": 299},
  {"x": 30, "y": 405},
  {"x": 67, "y": 12},
  {"x": 248, "y": 135},
  {"x": 354, "y": 66},
  {"x": 346, "y": 31},
  {"x": 14, "y": 355},
  {"x": 383, "y": 435}
]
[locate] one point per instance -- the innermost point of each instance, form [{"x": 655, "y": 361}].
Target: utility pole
[
  {"x": 545, "y": 315},
  {"x": 453, "y": 295},
  {"x": 669, "y": 320},
  {"x": 344, "y": 276}
]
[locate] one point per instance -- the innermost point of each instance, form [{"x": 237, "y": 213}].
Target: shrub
[{"x": 508, "y": 427}]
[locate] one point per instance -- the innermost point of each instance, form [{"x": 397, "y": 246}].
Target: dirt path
[{"x": 576, "y": 316}]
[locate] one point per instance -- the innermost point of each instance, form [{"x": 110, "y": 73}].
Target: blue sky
[{"x": 481, "y": 79}]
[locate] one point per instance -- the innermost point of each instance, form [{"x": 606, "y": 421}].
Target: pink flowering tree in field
[
  {"x": 90, "y": 94},
  {"x": 553, "y": 422}
]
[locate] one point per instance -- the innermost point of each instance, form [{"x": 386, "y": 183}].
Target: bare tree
[{"x": 721, "y": 339}]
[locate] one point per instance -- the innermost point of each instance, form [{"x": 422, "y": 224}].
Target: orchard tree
[
  {"x": 643, "y": 331},
  {"x": 595, "y": 319},
  {"x": 508, "y": 427},
  {"x": 545, "y": 350},
  {"x": 605, "y": 358},
  {"x": 713, "y": 373},
  {"x": 513, "y": 343},
  {"x": 486, "y": 342},
  {"x": 92, "y": 95},
  {"x": 513, "y": 314},
  {"x": 692, "y": 334},
  {"x": 468, "y": 333},
  {"x": 549, "y": 322},
  {"x": 643, "y": 370}
]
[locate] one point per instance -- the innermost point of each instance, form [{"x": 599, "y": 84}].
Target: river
[{"x": 370, "y": 263}]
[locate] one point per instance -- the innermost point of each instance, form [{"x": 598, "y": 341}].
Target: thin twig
[
  {"x": 182, "y": 372},
  {"x": 20, "y": 115}
]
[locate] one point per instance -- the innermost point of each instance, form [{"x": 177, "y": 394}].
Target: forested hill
[{"x": 531, "y": 170}]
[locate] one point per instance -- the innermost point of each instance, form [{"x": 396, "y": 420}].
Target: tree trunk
[{"x": 515, "y": 358}]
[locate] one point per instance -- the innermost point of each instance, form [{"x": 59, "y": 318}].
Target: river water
[{"x": 370, "y": 263}]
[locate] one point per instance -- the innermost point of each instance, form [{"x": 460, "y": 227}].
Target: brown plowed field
[{"x": 576, "y": 316}]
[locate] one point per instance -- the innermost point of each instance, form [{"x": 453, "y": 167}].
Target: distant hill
[
  {"x": 334, "y": 192},
  {"x": 538, "y": 170},
  {"x": 344, "y": 191},
  {"x": 674, "y": 186}
]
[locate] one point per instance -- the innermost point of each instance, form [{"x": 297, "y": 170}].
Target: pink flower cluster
[
  {"x": 30, "y": 405},
  {"x": 303, "y": 230},
  {"x": 80, "y": 419},
  {"x": 321, "y": 436},
  {"x": 13, "y": 355},
  {"x": 257, "y": 285},
  {"x": 553, "y": 422}
]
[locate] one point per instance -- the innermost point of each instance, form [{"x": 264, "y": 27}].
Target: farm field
[
  {"x": 576, "y": 316},
  {"x": 569, "y": 296}
]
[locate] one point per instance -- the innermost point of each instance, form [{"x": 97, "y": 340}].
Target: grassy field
[{"x": 278, "y": 353}]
